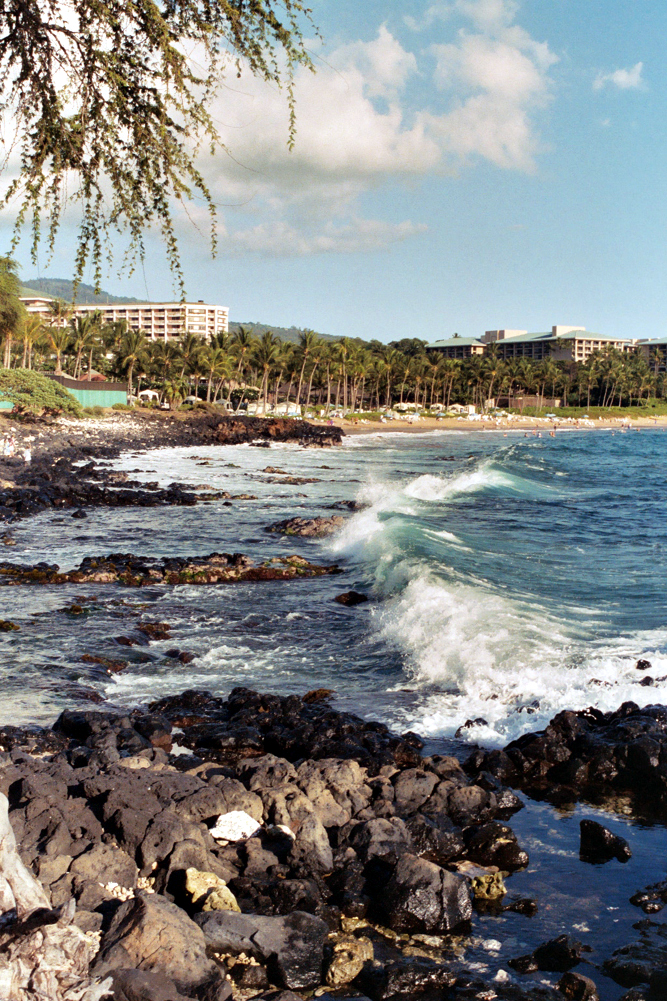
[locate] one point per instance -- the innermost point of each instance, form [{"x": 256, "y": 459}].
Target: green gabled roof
[
  {"x": 573, "y": 335},
  {"x": 522, "y": 338},
  {"x": 456, "y": 342}
]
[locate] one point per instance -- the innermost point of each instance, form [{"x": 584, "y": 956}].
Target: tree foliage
[
  {"x": 114, "y": 98},
  {"x": 32, "y": 393}
]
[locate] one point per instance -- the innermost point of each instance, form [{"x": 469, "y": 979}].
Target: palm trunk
[
  {"x": 310, "y": 385},
  {"x": 328, "y": 389},
  {"x": 298, "y": 392}
]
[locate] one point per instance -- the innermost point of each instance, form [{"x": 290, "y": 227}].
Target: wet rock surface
[
  {"x": 599, "y": 844},
  {"x": 587, "y": 755},
  {"x": 138, "y": 571},
  {"x": 65, "y": 471},
  {"x": 308, "y": 528}
]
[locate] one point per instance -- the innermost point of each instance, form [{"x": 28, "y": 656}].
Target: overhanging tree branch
[{"x": 104, "y": 92}]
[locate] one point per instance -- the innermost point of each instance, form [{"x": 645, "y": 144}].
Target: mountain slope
[
  {"x": 61, "y": 288},
  {"x": 290, "y": 334}
]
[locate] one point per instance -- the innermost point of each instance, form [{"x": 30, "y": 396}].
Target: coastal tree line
[{"x": 345, "y": 375}]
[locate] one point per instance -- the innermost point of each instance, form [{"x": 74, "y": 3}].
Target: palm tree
[
  {"x": 222, "y": 340},
  {"x": 175, "y": 390},
  {"x": 316, "y": 357},
  {"x": 133, "y": 351},
  {"x": 60, "y": 312},
  {"x": 266, "y": 354},
  {"x": 32, "y": 330},
  {"x": 217, "y": 366},
  {"x": 308, "y": 341},
  {"x": 165, "y": 358},
  {"x": 493, "y": 369},
  {"x": 434, "y": 363},
  {"x": 58, "y": 340},
  {"x": 83, "y": 337},
  {"x": 112, "y": 335},
  {"x": 243, "y": 342},
  {"x": 405, "y": 361},
  {"x": 190, "y": 346},
  {"x": 282, "y": 361}
]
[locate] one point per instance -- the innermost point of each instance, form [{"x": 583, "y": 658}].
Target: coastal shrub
[
  {"x": 94, "y": 411},
  {"x": 32, "y": 393},
  {"x": 120, "y": 406}
]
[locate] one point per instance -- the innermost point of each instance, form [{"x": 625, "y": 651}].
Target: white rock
[{"x": 235, "y": 826}]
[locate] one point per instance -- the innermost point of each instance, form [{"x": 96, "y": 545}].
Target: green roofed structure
[
  {"x": 457, "y": 347},
  {"x": 560, "y": 343}
]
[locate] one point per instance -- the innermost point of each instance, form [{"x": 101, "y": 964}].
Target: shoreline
[
  {"x": 527, "y": 424},
  {"x": 370, "y": 869}
]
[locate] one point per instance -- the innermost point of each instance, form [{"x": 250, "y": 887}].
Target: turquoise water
[{"x": 509, "y": 577}]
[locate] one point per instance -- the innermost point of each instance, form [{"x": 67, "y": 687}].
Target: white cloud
[
  {"x": 630, "y": 79},
  {"x": 505, "y": 77},
  {"x": 376, "y": 114},
  {"x": 279, "y": 238}
]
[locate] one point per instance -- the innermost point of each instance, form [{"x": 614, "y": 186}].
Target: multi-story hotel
[
  {"x": 159, "y": 320},
  {"x": 561, "y": 343}
]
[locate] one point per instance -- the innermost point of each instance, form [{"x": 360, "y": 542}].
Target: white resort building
[
  {"x": 561, "y": 343},
  {"x": 159, "y": 320}
]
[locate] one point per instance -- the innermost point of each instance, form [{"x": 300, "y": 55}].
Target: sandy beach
[{"x": 501, "y": 424}]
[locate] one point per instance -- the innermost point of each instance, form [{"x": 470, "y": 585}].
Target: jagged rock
[
  {"x": 652, "y": 899},
  {"x": 312, "y": 845},
  {"x": 137, "y": 571},
  {"x": 139, "y": 985},
  {"x": 577, "y": 987},
  {"x": 406, "y": 978},
  {"x": 495, "y": 844},
  {"x": 587, "y": 753},
  {"x": 412, "y": 787},
  {"x": 292, "y": 947},
  {"x": 351, "y": 598},
  {"x": 556, "y": 956},
  {"x": 599, "y": 844},
  {"x": 151, "y": 934},
  {"x": 308, "y": 528},
  {"x": 422, "y": 897},
  {"x": 439, "y": 843},
  {"x": 386, "y": 839}
]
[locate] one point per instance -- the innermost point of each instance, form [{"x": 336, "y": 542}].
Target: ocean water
[{"x": 509, "y": 577}]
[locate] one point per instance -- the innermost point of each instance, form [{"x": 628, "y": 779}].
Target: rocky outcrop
[
  {"x": 64, "y": 472},
  {"x": 308, "y": 528},
  {"x": 281, "y": 840},
  {"x": 137, "y": 571},
  {"x": 587, "y": 754}
]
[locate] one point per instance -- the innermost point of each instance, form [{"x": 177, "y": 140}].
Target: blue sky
[{"x": 460, "y": 165}]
